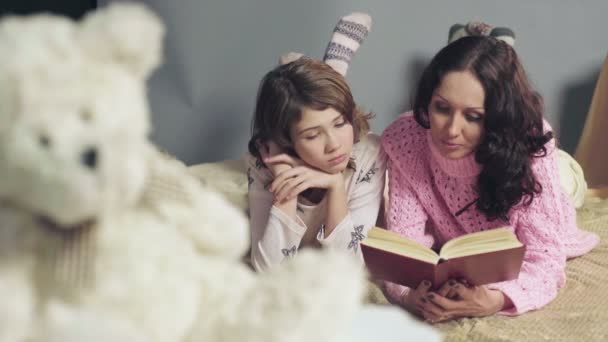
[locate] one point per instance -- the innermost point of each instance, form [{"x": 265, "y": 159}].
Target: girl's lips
[{"x": 337, "y": 160}]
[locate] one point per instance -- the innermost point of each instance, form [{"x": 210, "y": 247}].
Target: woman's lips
[{"x": 449, "y": 145}]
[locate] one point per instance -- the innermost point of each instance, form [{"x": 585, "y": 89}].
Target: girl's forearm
[
  {"x": 337, "y": 207},
  {"x": 288, "y": 207}
]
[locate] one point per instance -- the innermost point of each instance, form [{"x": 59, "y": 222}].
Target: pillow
[{"x": 572, "y": 178}]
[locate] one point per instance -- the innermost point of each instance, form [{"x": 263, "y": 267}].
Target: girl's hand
[
  {"x": 474, "y": 301},
  {"x": 290, "y": 183},
  {"x": 277, "y": 156},
  {"x": 270, "y": 150}
]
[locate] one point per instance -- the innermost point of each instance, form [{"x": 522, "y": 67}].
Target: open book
[{"x": 483, "y": 257}]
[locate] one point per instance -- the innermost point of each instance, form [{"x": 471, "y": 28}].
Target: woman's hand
[
  {"x": 473, "y": 301},
  {"x": 410, "y": 299},
  {"x": 290, "y": 183}
]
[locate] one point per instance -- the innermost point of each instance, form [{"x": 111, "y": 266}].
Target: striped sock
[{"x": 348, "y": 35}]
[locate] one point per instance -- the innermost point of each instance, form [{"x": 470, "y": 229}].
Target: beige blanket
[{"x": 580, "y": 313}]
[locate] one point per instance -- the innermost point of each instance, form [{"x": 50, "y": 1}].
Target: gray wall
[{"x": 217, "y": 51}]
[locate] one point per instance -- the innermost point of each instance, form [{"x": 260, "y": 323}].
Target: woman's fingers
[
  {"x": 445, "y": 289},
  {"x": 451, "y": 300},
  {"x": 462, "y": 291},
  {"x": 411, "y": 298},
  {"x": 432, "y": 318},
  {"x": 423, "y": 287},
  {"x": 420, "y": 291},
  {"x": 427, "y": 316},
  {"x": 427, "y": 307},
  {"x": 465, "y": 282},
  {"x": 443, "y": 302}
]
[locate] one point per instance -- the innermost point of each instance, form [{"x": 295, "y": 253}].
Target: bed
[{"x": 580, "y": 313}]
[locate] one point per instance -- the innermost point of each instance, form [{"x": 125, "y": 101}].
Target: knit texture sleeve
[
  {"x": 540, "y": 226},
  {"x": 407, "y": 217},
  {"x": 405, "y": 213}
]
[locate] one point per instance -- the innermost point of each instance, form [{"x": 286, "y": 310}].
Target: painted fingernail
[
  {"x": 430, "y": 296},
  {"x": 426, "y": 283}
]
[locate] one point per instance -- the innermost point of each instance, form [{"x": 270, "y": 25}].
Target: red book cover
[{"x": 477, "y": 269}]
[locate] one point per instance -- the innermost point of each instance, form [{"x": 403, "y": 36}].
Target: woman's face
[
  {"x": 456, "y": 113},
  {"x": 323, "y": 139}
]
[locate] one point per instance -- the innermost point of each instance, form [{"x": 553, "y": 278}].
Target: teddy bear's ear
[{"x": 126, "y": 33}]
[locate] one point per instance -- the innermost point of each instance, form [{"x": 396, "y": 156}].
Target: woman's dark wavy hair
[
  {"x": 287, "y": 89},
  {"x": 513, "y": 121}
]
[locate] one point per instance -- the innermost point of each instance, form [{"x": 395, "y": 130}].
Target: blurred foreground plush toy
[{"x": 104, "y": 239}]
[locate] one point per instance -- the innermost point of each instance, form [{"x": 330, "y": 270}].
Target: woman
[
  {"x": 476, "y": 154},
  {"x": 316, "y": 176}
]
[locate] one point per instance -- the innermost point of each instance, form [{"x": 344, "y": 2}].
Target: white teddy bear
[{"x": 101, "y": 238}]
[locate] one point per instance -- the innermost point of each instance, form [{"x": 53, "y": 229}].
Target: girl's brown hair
[{"x": 287, "y": 89}]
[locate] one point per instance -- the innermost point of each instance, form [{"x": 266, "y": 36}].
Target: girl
[
  {"x": 315, "y": 174},
  {"x": 476, "y": 154}
]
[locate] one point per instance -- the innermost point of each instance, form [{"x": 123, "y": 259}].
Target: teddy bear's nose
[{"x": 89, "y": 158}]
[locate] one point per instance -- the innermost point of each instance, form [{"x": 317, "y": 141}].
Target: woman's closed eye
[
  {"x": 441, "y": 108},
  {"x": 474, "y": 117},
  {"x": 311, "y": 136}
]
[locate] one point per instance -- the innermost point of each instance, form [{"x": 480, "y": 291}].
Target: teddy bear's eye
[
  {"x": 44, "y": 140},
  {"x": 86, "y": 115}
]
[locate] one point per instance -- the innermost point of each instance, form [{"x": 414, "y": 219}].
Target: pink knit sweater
[{"x": 426, "y": 190}]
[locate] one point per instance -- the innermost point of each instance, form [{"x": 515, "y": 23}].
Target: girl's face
[
  {"x": 323, "y": 139},
  {"x": 456, "y": 113}
]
